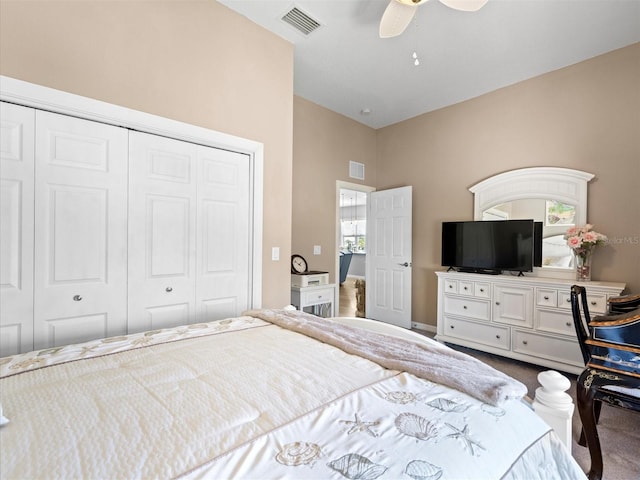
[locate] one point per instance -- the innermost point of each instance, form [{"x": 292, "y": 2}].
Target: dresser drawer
[
  {"x": 597, "y": 302},
  {"x": 546, "y": 297},
  {"x": 316, "y": 297},
  {"x": 467, "y": 307},
  {"x": 544, "y": 346},
  {"x": 450, "y": 286},
  {"x": 465, "y": 288},
  {"x": 482, "y": 290},
  {"x": 555, "y": 321},
  {"x": 477, "y": 332}
]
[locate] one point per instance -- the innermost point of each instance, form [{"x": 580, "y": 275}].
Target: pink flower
[
  {"x": 571, "y": 232},
  {"x": 574, "y": 242},
  {"x": 583, "y": 239},
  {"x": 591, "y": 237}
]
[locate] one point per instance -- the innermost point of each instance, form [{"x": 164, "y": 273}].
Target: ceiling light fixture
[{"x": 399, "y": 13}]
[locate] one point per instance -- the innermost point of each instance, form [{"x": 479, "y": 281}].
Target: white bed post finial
[{"x": 553, "y": 405}]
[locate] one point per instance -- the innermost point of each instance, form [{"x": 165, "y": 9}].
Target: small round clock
[{"x": 298, "y": 264}]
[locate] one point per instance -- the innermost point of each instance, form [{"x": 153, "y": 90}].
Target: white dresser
[{"x": 525, "y": 318}]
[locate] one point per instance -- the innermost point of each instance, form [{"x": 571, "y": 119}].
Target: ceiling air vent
[{"x": 300, "y": 20}]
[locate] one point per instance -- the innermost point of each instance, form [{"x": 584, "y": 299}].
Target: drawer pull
[
  {"x": 568, "y": 300},
  {"x": 568, "y": 324},
  {"x": 524, "y": 342},
  {"x": 450, "y": 286},
  {"x": 464, "y": 306},
  {"x": 77, "y": 298},
  {"x": 482, "y": 290},
  {"x": 497, "y": 303},
  {"x": 452, "y": 327},
  {"x": 546, "y": 298},
  {"x": 466, "y": 288},
  {"x": 594, "y": 303},
  {"x": 168, "y": 289},
  {"x": 498, "y": 337}
]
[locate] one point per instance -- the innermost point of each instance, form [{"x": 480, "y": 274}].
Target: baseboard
[{"x": 424, "y": 327}]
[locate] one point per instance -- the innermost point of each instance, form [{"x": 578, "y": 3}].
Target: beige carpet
[{"x": 619, "y": 429}]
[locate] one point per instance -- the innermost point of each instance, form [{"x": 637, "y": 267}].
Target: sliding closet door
[
  {"x": 16, "y": 228},
  {"x": 81, "y": 231},
  {"x": 162, "y": 243},
  {"x": 223, "y": 234}
]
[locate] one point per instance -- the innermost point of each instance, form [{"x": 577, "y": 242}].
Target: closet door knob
[
  {"x": 168, "y": 289},
  {"x": 77, "y": 298}
]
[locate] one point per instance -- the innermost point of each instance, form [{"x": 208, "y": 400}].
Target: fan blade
[
  {"x": 465, "y": 5},
  {"x": 396, "y": 18}
]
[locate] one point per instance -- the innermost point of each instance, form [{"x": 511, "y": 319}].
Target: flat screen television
[{"x": 491, "y": 246}]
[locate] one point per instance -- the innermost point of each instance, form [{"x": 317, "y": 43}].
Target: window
[{"x": 353, "y": 223}]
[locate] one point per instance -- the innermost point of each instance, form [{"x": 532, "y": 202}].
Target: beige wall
[
  {"x": 586, "y": 117},
  {"x": 324, "y": 143},
  {"x": 192, "y": 61}
]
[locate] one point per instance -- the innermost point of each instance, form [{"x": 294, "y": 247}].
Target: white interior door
[
  {"x": 388, "y": 264},
  {"x": 16, "y": 228},
  {"x": 223, "y": 232},
  {"x": 162, "y": 242},
  {"x": 81, "y": 232}
]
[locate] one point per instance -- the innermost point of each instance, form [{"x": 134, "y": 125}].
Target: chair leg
[
  {"x": 597, "y": 407},
  {"x": 587, "y": 410}
]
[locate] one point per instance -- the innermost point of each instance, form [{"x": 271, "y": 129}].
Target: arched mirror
[{"x": 556, "y": 197}]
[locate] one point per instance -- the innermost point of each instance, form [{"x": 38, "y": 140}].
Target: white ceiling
[{"x": 345, "y": 66}]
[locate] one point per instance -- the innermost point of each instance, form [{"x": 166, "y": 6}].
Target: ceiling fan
[{"x": 399, "y": 13}]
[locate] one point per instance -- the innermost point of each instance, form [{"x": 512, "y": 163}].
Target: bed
[{"x": 270, "y": 394}]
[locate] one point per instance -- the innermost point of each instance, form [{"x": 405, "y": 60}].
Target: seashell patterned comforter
[{"x": 244, "y": 398}]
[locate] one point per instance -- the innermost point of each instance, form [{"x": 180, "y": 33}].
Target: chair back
[
  {"x": 345, "y": 261},
  {"x": 581, "y": 321}
]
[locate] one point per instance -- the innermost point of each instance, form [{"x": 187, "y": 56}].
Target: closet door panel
[
  {"x": 162, "y": 206},
  {"x": 223, "y": 234},
  {"x": 16, "y": 228},
  {"x": 81, "y": 232}
]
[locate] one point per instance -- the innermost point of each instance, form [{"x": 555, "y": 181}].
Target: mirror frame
[{"x": 550, "y": 183}]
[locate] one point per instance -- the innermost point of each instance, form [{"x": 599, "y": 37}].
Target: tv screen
[{"x": 489, "y": 246}]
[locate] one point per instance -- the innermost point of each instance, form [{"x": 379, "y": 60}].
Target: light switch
[
  {"x": 317, "y": 250},
  {"x": 275, "y": 253}
]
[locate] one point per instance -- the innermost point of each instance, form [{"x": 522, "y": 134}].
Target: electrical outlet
[{"x": 317, "y": 250}]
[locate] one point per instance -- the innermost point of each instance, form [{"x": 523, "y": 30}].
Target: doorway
[{"x": 351, "y": 232}]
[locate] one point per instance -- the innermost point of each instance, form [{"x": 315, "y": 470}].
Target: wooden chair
[
  {"x": 610, "y": 346},
  {"x": 624, "y": 303}
]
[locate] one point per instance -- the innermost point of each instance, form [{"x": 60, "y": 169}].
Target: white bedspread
[{"x": 242, "y": 398}]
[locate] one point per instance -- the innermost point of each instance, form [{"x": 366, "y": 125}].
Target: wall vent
[
  {"x": 356, "y": 170},
  {"x": 301, "y": 21}
]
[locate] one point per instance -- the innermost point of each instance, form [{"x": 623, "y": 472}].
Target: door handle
[
  {"x": 77, "y": 298},
  {"x": 405, "y": 264}
]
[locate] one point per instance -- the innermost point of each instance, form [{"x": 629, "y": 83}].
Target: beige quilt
[{"x": 243, "y": 398}]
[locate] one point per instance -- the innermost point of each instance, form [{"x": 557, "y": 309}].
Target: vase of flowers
[{"x": 582, "y": 241}]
